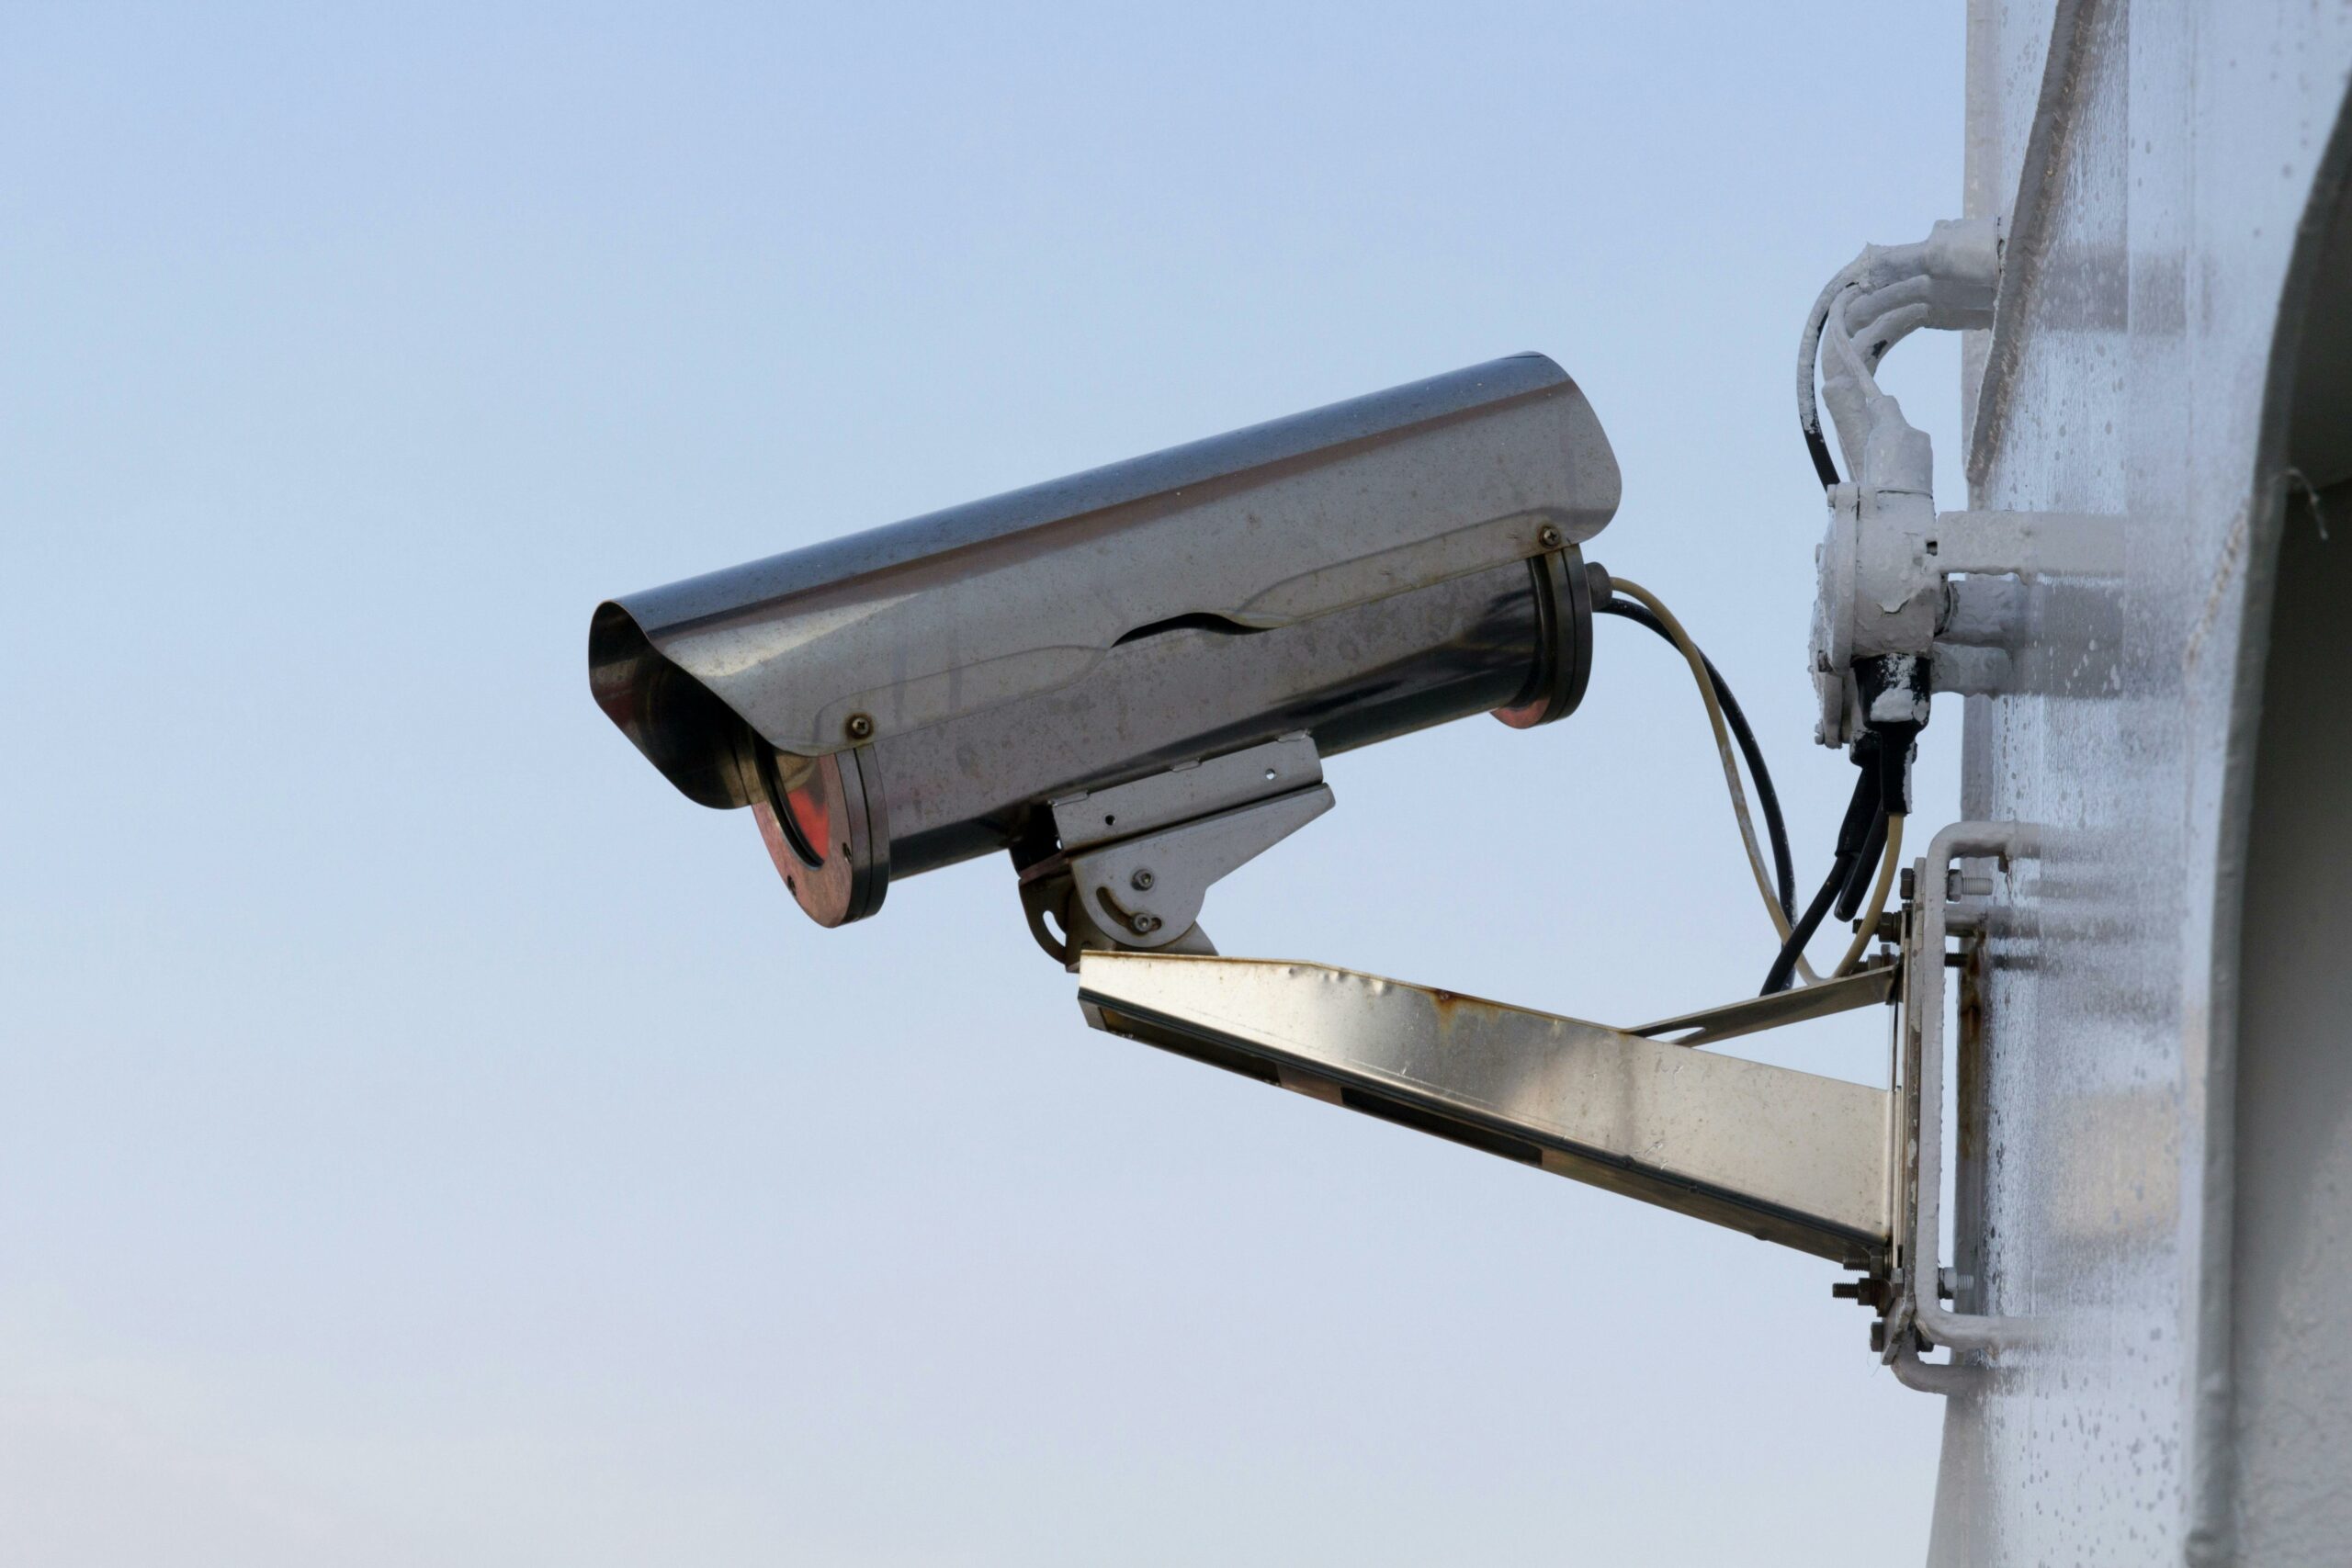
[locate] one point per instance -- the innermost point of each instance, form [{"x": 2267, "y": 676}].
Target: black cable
[
  {"x": 1811, "y": 424},
  {"x": 1784, "y": 966},
  {"x": 1861, "y": 812},
  {"x": 1822, "y": 465},
  {"x": 1784, "y": 867},
  {"x": 1858, "y": 885}
]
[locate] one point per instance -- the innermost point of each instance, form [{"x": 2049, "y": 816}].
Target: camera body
[{"x": 922, "y": 694}]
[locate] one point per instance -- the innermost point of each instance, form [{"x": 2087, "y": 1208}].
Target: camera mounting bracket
[
  {"x": 1846, "y": 1171},
  {"x": 1136, "y": 860}
]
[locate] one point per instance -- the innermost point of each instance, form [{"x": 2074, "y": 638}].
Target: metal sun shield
[{"x": 925, "y": 690}]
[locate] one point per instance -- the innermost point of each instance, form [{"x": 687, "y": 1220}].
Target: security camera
[{"x": 1129, "y": 678}]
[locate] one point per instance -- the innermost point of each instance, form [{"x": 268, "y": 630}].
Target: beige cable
[
  {"x": 1879, "y": 890},
  {"x": 1732, "y": 780}
]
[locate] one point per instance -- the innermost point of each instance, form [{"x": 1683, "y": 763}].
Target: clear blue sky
[{"x": 425, "y": 1138}]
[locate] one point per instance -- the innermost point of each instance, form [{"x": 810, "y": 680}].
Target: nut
[
  {"x": 1145, "y": 924},
  {"x": 1142, "y": 880},
  {"x": 859, "y": 727}
]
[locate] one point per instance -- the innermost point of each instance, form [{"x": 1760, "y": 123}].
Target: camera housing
[{"x": 917, "y": 694}]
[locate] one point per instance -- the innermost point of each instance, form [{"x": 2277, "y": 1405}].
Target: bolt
[
  {"x": 1145, "y": 924},
  {"x": 1869, "y": 1292},
  {"x": 1142, "y": 880},
  {"x": 860, "y": 726},
  {"x": 1550, "y": 537}
]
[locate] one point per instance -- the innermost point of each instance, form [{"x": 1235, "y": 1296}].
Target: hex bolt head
[
  {"x": 859, "y": 727},
  {"x": 1142, "y": 880},
  {"x": 1550, "y": 537},
  {"x": 1145, "y": 924}
]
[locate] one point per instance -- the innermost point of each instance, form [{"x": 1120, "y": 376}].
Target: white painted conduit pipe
[{"x": 1948, "y": 280}]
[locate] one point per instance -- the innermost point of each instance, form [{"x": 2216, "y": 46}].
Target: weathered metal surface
[
  {"x": 889, "y": 632},
  {"x": 1788, "y": 1157},
  {"x": 1349, "y": 574},
  {"x": 2154, "y": 173},
  {"x": 973, "y": 785}
]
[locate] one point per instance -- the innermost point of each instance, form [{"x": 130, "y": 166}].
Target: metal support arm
[
  {"x": 1787, "y": 1156},
  {"x": 1841, "y": 1170}
]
